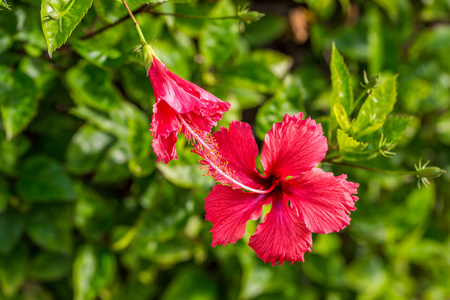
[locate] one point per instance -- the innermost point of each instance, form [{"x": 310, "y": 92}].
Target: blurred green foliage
[{"x": 86, "y": 213}]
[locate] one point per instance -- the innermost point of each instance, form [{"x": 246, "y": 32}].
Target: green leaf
[
  {"x": 5, "y": 194},
  {"x": 43, "y": 180},
  {"x": 59, "y": 18},
  {"x": 5, "y": 5},
  {"x": 348, "y": 144},
  {"x": 100, "y": 55},
  {"x": 113, "y": 167},
  {"x": 11, "y": 229},
  {"x": 12, "y": 270},
  {"x": 50, "y": 227},
  {"x": 265, "y": 30},
  {"x": 10, "y": 152},
  {"x": 376, "y": 41},
  {"x": 287, "y": 100},
  {"x": 41, "y": 72},
  {"x": 341, "y": 88},
  {"x": 49, "y": 267},
  {"x": 341, "y": 117},
  {"x": 18, "y": 104},
  {"x": 218, "y": 39},
  {"x": 5, "y": 40},
  {"x": 277, "y": 62},
  {"x": 92, "y": 86},
  {"x": 148, "y": 1},
  {"x": 394, "y": 128},
  {"x": 375, "y": 108},
  {"x": 140, "y": 142},
  {"x": 186, "y": 283},
  {"x": 93, "y": 270},
  {"x": 93, "y": 214},
  {"x": 86, "y": 148}
]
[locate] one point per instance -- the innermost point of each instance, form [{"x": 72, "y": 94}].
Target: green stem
[
  {"x": 193, "y": 16},
  {"x": 389, "y": 172},
  {"x": 138, "y": 28}
]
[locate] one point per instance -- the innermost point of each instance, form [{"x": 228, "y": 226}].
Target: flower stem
[
  {"x": 389, "y": 172},
  {"x": 211, "y": 163},
  {"x": 194, "y": 16},
  {"x": 138, "y": 28}
]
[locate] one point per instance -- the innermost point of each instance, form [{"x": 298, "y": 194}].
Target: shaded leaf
[
  {"x": 50, "y": 227},
  {"x": 101, "y": 56},
  {"x": 93, "y": 214},
  {"x": 113, "y": 166},
  {"x": 49, "y": 267},
  {"x": 394, "y": 128},
  {"x": 59, "y": 18},
  {"x": 287, "y": 100},
  {"x": 5, "y": 194},
  {"x": 44, "y": 180},
  {"x": 11, "y": 229},
  {"x": 18, "y": 103}
]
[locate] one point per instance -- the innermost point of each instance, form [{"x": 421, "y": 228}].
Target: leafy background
[{"x": 86, "y": 213}]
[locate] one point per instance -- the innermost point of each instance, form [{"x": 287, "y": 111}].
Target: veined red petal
[
  {"x": 164, "y": 147},
  {"x": 183, "y": 96},
  {"x": 238, "y": 147},
  {"x": 293, "y": 146},
  {"x": 322, "y": 200},
  {"x": 229, "y": 210},
  {"x": 283, "y": 236},
  {"x": 164, "y": 120}
]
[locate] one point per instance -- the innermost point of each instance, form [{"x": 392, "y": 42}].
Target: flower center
[{"x": 216, "y": 165}]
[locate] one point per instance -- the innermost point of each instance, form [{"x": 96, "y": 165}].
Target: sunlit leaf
[
  {"x": 12, "y": 270},
  {"x": 59, "y": 18},
  {"x": 341, "y": 88},
  {"x": 375, "y": 108},
  {"x": 86, "y": 148},
  {"x": 348, "y": 144},
  {"x": 218, "y": 40},
  {"x": 94, "y": 268}
]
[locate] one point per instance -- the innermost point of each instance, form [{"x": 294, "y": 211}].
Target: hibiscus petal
[
  {"x": 282, "y": 237},
  {"x": 182, "y": 95},
  {"x": 229, "y": 210},
  {"x": 164, "y": 147},
  {"x": 238, "y": 147},
  {"x": 322, "y": 200},
  {"x": 293, "y": 146},
  {"x": 164, "y": 119}
]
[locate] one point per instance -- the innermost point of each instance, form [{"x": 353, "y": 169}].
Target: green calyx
[{"x": 147, "y": 54}]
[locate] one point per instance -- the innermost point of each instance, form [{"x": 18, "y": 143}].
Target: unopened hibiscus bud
[
  {"x": 250, "y": 16},
  {"x": 424, "y": 173}
]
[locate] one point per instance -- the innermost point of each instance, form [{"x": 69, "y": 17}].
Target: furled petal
[
  {"x": 164, "y": 119},
  {"x": 229, "y": 210},
  {"x": 182, "y": 95},
  {"x": 293, "y": 146},
  {"x": 164, "y": 147},
  {"x": 322, "y": 200},
  {"x": 283, "y": 236},
  {"x": 238, "y": 147}
]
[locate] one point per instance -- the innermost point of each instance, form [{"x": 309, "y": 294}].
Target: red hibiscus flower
[
  {"x": 179, "y": 105},
  {"x": 304, "y": 199}
]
